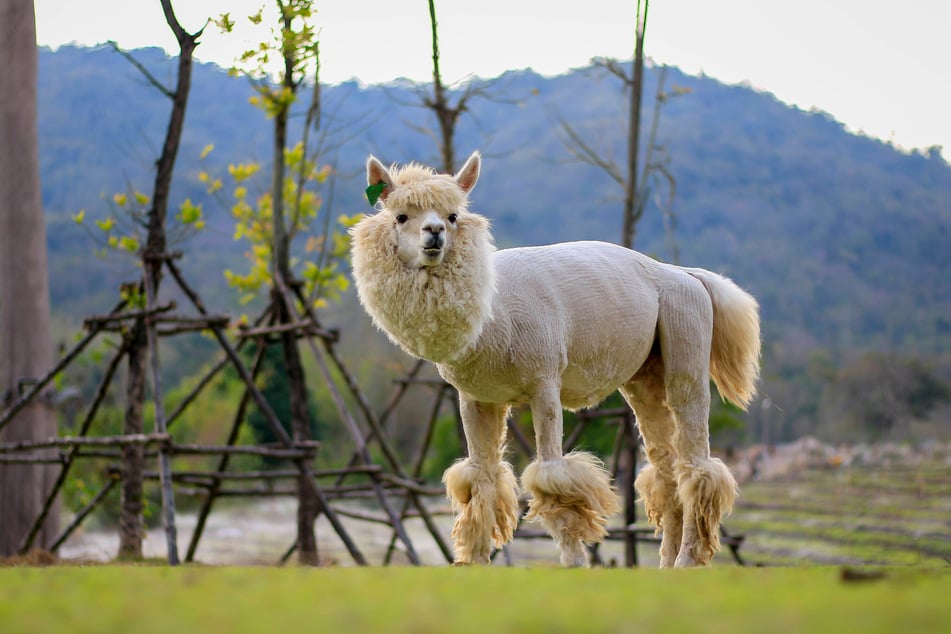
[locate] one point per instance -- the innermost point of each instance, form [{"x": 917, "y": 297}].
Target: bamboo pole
[
  {"x": 209, "y": 376},
  {"x": 153, "y": 273},
  {"x": 85, "y": 511},
  {"x": 376, "y": 428},
  {"x": 74, "y": 452},
  {"x": 419, "y": 461},
  {"x": 100, "y": 321},
  {"x": 225, "y": 459},
  {"x": 72, "y": 441},
  {"x": 297, "y": 451},
  {"x": 24, "y": 399},
  {"x": 33, "y": 459},
  {"x": 271, "y": 418},
  {"x": 345, "y": 414}
]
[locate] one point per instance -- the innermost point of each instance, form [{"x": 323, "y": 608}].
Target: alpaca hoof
[
  {"x": 456, "y": 564},
  {"x": 577, "y": 562},
  {"x": 684, "y": 560}
]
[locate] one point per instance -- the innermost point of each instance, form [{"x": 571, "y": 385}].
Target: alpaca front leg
[
  {"x": 572, "y": 495},
  {"x": 482, "y": 488}
]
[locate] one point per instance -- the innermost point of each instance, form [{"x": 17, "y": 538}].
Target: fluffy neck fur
[{"x": 436, "y": 313}]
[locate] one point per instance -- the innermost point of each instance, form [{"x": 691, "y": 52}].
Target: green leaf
[
  {"x": 224, "y": 23},
  {"x": 189, "y": 212},
  {"x": 374, "y": 192},
  {"x": 129, "y": 243}
]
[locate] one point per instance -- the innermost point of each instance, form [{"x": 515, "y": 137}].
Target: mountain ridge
[{"x": 842, "y": 237}]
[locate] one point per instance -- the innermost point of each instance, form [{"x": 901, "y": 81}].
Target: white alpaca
[{"x": 559, "y": 326}]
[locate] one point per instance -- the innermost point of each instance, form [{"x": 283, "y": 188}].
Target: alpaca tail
[{"x": 735, "y": 350}]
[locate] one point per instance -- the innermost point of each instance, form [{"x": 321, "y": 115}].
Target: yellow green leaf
[
  {"x": 189, "y": 213},
  {"x": 225, "y": 23}
]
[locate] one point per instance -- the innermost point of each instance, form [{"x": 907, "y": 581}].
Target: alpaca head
[
  {"x": 424, "y": 208},
  {"x": 423, "y": 263}
]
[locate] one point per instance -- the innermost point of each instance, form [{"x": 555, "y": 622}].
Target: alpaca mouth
[
  {"x": 433, "y": 244},
  {"x": 432, "y": 256}
]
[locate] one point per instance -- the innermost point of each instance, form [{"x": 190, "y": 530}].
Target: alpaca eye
[
  {"x": 452, "y": 218},
  {"x": 402, "y": 218}
]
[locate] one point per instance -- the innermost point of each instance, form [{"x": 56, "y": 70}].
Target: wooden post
[
  {"x": 629, "y": 460},
  {"x": 73, "y": 453},
  {"x": 165, "y": 467},
  {"x": 269, "y": 416},
  {"x": 224, "y": 460}
]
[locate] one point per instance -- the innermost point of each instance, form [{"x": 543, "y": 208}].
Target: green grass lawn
[{"x": 144, "y": 599}]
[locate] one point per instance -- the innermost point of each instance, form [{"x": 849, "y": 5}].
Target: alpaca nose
[{"x": 434, "y": 235}]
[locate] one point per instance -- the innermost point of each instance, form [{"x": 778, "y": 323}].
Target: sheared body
[{"x": 555, "y": 301}]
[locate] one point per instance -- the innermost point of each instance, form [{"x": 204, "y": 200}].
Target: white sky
[{"x": 883, "y": 68}]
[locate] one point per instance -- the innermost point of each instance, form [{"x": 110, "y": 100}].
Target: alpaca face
[
  {"x": 424, "y": 208},
  {"x": 423, "y": 237}
]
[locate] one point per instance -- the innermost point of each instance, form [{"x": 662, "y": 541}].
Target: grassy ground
[
  {"x": 419, "y": 600},
  {"x": 827, "y": 525}
]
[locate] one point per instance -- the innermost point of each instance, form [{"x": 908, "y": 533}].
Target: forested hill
[{"x": 843, "y": 239}]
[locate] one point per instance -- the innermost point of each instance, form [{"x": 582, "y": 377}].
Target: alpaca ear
[
  {"x": 469, "y": 174},
  {"x": 377, "y": 174}
]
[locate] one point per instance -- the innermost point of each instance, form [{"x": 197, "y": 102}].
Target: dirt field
[{"x": 802, "y": 503}]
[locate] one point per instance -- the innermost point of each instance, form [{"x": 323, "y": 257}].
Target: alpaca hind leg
[
  {"x": 482, "y": 488},
  {"x": 705, "y": 486},
  {"x": 657, "y": 481},
  {"x": 572, "y": 495},
  {"x": 708, "y": 490}
]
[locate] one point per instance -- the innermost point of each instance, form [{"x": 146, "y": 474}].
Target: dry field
[{"x": 801, "y": 504}]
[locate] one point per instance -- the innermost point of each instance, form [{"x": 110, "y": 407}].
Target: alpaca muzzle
[{"x": 433, "y": 242}]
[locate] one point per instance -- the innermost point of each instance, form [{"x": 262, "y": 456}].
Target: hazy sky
[{"x": 883, "y": 68}]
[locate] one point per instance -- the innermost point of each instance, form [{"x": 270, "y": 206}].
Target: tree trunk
[
  {"x": 308, "y": 504},
  {"x": 131, "y": 524},
  {"x": 445, "y": 115},
  {"x": 632, "y": 208},
  {"x": 25, "y": 344}
]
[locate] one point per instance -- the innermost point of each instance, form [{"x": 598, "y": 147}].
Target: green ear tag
[{"x": 374, "y": 192}]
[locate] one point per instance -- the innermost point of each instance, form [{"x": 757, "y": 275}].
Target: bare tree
[
  {"x": 635, "y": 179},
  {"x": 25, "y": 346},
  {"x": 439, "y": 101},
  {"x": 635, "y": 175},
  {"x": 291, "y": 80},
  {"x": 447, "y": 115},
  {"x": 131, "y": 527}
]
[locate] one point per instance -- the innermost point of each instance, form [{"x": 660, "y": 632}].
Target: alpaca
[{"x": 557, "y": 327}]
